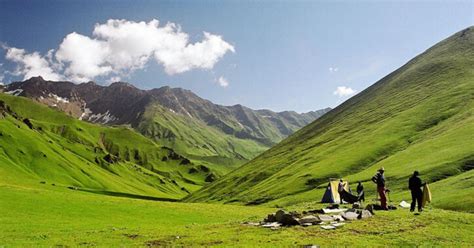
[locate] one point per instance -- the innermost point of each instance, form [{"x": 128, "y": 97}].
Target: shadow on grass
[{"x": 128, "y": 195}]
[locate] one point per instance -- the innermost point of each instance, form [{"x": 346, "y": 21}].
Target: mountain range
[{"x": 175, "y": 117}]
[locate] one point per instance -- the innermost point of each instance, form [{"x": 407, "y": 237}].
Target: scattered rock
[
  {"x": 357, "y": 205},
  {"x": 364, "y": 214},
  {"x": 272, "y": 224},
  {"x": 279, "y": 215},
  {"x": 350, "y": 215},
  {"x": 251, "y": 223},
  {"x": 296, "y": 214},
  {"x": 338, "y": 224},
  {"x": 325, "y": 218},
  {"x": 404, "y": 204},
  {"x": 328, "y": 227},
  {"x": 370, "y": 208},
  {"x": 284, "y": 218},
  {"x": 327, "y": 222},
  {"x": 270, "y": 218},
  {"x": 289, "y": 220},
  {"x": 310, "y": 219},
  {"x": 334, "y": 210},
  {"x": 338, "y": 218}
]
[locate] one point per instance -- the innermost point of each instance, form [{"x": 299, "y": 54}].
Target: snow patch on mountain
[
  {"x": 102, "y": 118},
  {"x": 85, "y": 114},
  {"x": 58, "y": 98},
  {"x": 14, "y": 92}
]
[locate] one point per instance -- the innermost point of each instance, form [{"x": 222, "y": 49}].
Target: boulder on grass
[
  {"x": 370, "y": 208},
  {"x": 270, "y": 218},
  {"x": 365, "y": 214},
  {"x": 311, "y": 219},
  {"x": 325, "y": 218},
  {"x": 289, "y": 220},
  {"x": 350, "y": 215},
  {"x": 279, "y": 215},
  {"x": 338, "y": 217},
  {"x": 271, "y": 225}
]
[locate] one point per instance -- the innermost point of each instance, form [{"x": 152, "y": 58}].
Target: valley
[{"x": 96, "y": 150}]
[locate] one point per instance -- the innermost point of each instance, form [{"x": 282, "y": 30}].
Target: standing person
[
  {"x": 360, "y": 191},
  {"x": 379, "y": 179},
  {"x": 340, "y": 188},
  {"x": 415, "y": 184}
]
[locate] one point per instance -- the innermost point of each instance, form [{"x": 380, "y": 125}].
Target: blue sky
[{"x": 287, "y": 55}]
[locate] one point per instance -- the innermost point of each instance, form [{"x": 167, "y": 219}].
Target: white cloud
[
  {"x": 222, "y": 81},
  {"x": 343, "y": 91},
  {"x": 202, "y": 54},
  {"x": 31, "y": 65},
  {"x": 119, "y": 47},
  {"x": 333, "y": 69},
  {"x": 85, "y": 57}
]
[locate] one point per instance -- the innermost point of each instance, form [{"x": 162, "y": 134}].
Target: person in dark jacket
[
  {"x": 415, "y": 184},
  {"x": 360, "y": 191},
  {"x": 340, "y": 188},
  {"x": 379, "y": 179}
]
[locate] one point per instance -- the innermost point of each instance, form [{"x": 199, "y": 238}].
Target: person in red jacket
[{"x": 379, "y": 179}]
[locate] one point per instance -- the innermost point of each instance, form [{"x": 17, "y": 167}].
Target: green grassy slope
[
  {"x": 224, "y": 136},
  {"x": 419, "y": 117},
  {"x": 62, "y": 150},
  {"x": 195, "y": 139}
]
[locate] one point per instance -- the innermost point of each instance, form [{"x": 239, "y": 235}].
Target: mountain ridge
[{"x": 175, "y": 117}]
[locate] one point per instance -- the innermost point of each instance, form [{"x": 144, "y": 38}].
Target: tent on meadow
[{"x": 331, "y": 195}]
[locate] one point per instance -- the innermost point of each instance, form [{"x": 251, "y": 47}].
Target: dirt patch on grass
[
  {"x": 87, "y": 244},
  {"x": 157, "y": 243},
  {"x": 166, "y": 242},
  {"x": 131, "y": 236},
  {"x": 211, "y": 243}
]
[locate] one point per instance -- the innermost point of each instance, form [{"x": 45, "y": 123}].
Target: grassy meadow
[{"x": 47, "y": 216}]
